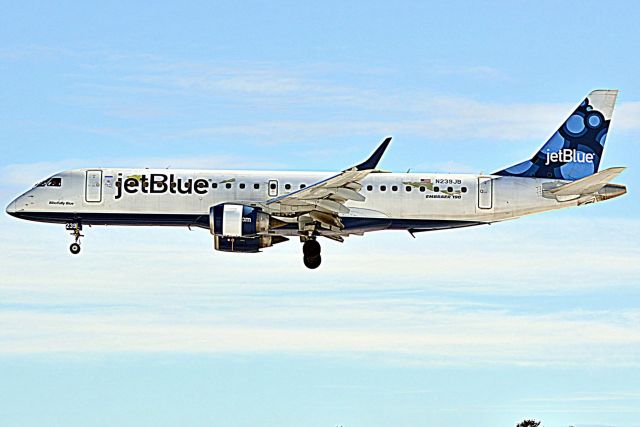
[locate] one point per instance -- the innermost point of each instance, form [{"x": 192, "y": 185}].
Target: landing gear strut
[
  {"x": 311, "y": 252},
  {"x": 75, "y": 229}
]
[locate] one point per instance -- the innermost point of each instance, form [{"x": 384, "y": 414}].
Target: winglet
[{"x": 372, "y": 161}]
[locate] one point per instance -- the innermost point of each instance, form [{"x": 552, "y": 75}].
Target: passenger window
[
  {"x": 228, "y": 185},
  {"x": 214, "y": 185},
  {"x": 302, "y": 186},
  {"x": 394, "y": 188},
  {"x": 422, "y": 189},
  {"x": 287, "y": 186},
  {"x": 463, "y": 189},
  {"x": 450, "y": 189},
  {"x": 272, "y": 186},
  {"x": 54, "y": 182},
  {"x": 242, "y": 186},
  {"x": 369, "y": 187},
  {"x": 383, "y": 188},
  {"x": 408, "y": 188},
  {"x": 256, "y": 186},
  {"x": 436, "y": 189}
]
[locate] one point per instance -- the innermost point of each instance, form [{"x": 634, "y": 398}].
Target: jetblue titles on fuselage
[{"x": 157, "y": 183}]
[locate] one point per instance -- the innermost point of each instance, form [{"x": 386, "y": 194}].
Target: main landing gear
[
  {"x": 311, "y": 251},
  {"x": 75, "y": 229}
]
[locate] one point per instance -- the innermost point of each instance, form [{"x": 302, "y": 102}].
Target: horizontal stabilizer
[{"x": 588, "y": 185}]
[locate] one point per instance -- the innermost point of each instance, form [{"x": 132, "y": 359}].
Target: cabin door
[
  {"x": 93, "y": 186},
  {"x": 485, "y": 193}
]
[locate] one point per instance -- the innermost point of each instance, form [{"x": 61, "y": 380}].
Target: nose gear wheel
[{"x": 75, "y": 229}]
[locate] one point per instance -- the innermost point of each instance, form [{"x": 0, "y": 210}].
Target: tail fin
[{"x": 575, "y": 150}]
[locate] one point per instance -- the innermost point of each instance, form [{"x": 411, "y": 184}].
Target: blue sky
[{"x": 538, "y": 317}]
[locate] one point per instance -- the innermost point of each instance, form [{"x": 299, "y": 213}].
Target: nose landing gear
[
  {"x": 75, "y": 229},
  {"x": 311, "y": 252}
]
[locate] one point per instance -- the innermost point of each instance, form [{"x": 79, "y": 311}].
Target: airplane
[{"x": 247, "y": 211}]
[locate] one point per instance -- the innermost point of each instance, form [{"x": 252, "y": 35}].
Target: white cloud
[
  {"x": 388, "y": 329},
  {"x": 627, "y": 116},
  {"x": 148, "y": 89},
  {"x": 129, "y": 293},
  {"x": 293, "y": 102},
  {"x": 445, "y": 120}
]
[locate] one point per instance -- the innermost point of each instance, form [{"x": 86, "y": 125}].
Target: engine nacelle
[
  {"x": 237, "y": 228},
  {"x": 232, "y": 220},
  {"x": 245, "y": 244}
]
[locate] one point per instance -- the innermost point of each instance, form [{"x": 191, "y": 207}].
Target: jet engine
[
  {"x": 231, "y": 220},
  {"x": 242, "y": 228}
]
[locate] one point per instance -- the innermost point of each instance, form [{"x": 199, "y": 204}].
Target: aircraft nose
[{"x": 11, "y": 209}]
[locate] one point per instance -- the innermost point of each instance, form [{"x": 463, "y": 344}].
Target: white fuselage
[{"x": 137, "y": 196}]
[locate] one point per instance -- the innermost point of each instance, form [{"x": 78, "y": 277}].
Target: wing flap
[
  {"x": 332, "y": 206},
  {"x": 325, "y": 218}
]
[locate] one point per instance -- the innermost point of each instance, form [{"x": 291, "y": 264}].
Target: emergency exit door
[
  {"x": 273, "y": 188},
  {"x": 93, "y": 186},
  {"x": 485, "y": 193}
]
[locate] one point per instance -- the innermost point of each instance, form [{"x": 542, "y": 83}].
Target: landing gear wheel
[
  {"x": 74, "y": 248},
  {"x": 75, "y": 228},
  {"x": 312, "y": 263},
  {"x": 311, "y": 249}
]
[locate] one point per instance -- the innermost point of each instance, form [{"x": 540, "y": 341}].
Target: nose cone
[{"x": 11, "y": 209}]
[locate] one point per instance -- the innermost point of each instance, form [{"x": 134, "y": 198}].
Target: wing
[{"x": 325, "y": 200}]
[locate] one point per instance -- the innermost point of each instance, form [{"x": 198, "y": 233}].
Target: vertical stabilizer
[{"x": 575, "y": 149}]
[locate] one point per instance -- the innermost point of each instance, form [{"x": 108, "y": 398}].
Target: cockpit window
[
  {"x": 54, "y": 182},
  {"x": 51, "y": 182}
]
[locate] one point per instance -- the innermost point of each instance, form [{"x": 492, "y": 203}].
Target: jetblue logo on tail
[
  {"x": 575, "y": 150},
  {"x": 569, "y": 155}
]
